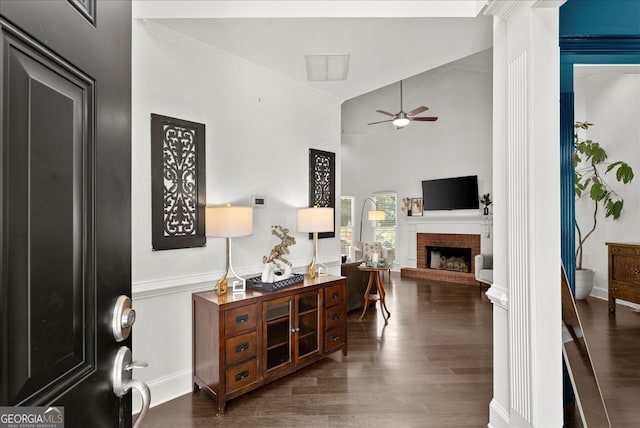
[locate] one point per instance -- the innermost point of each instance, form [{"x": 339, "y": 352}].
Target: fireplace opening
[{"x": 448, "y": 258}]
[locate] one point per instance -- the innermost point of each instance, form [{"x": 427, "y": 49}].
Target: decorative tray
[{"x": 257, "y": 284}]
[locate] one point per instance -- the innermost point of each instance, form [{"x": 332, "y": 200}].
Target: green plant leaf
[
  {"x": 613, "y": 165},
  {"x": 597, "y": 192},
  {"x": 598, "y": 154},
  {"x": 582, "y": 125},
  {"x": 624, "y": 173},
  {"x": 614, "y": 209}
]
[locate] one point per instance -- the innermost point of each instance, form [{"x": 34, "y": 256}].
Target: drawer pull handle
[
  {"x": 335, "y": 317},
  {"x": 335, "y": 295},
  {"x": 335, "y": 338},
  {"x": 241, "y": 319},
  {"x": 637, "y": 271},
  {"x": 242, "y": 375},
  {"x": 242, "y": 347}
]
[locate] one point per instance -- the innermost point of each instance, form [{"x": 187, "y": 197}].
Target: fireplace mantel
[{"x": 445, "y": 218}]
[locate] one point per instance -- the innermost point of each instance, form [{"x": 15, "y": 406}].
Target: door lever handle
[
  {"x": 123, "y": 381},
  {"x": 136, "y": 365}
]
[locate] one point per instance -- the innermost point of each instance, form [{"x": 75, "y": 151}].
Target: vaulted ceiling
[{"x": 387, "y": 40}]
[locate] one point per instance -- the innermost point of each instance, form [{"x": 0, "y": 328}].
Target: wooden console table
[
  {"x": 624, "y": 273},
  {"x": 242, "y": 341}
]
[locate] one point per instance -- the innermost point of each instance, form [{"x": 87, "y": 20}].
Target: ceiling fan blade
[
  {"x": 386, "y": 112},
  {"x": 424, "y": 119},
  {"x": 417, "y": 110},
  {"x": 382, "y": 121}
]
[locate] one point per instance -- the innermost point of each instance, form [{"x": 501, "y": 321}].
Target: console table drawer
[
  {"x": 335, "y": 338},
  {"x": 241, "y": 347},
  {"x": 334, "y": 316},
  {"x": 241, "y": 319},
  {"x": 626, "y": 269},
  {"x": 630, "y": 293},
  {"x": 620, "y": 250},
  {"x": 334, "y": 295},
  {"x": 242, "y": 375}
]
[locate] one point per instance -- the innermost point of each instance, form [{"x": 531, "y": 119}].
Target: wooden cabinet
[
  {"x": 244, "y": 340},
  {"x": 624, "y": 273}
]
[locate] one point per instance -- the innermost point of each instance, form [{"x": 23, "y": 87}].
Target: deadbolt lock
[{"x": 123, "y": 318}]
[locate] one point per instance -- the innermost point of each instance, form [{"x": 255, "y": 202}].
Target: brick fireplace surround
[{"x": 456, "y": 240}]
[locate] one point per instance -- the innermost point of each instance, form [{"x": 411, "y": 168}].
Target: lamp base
[
  {"x": 222, "y": 285},
  {"x": 311, "y": 270},
  {"x": 316, "y": 269}
]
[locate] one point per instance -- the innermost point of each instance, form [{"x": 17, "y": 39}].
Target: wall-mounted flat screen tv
[{"x": 457, "y": 193}]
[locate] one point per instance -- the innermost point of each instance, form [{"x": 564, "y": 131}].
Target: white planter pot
[{"x": 584, "y": 283}]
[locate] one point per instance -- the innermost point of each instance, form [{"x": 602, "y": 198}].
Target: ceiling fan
[{"x": 402, "y": 119}]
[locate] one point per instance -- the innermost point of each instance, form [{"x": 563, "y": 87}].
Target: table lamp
[
  {"x": 315, "y": 220},
  {"x": 228, "y": 222}
]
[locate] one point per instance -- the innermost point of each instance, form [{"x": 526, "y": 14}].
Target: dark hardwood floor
[
  {"x": 431, "y": 366},
  {"x": 614, "y": 345}
]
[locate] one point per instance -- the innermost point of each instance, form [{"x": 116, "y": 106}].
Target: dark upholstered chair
[{"x": 356, "y": 285}]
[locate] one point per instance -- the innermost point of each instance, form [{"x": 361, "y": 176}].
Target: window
[
  {"x": 385, "y": 230},
  {"x": 346, "y": 224}
]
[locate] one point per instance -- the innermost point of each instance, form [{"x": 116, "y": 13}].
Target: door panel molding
[{"x": 47, "y": 198}]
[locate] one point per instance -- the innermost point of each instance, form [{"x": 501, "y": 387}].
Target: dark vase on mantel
[
  {"x": 486, "y": 210},
  {"x": 408, "y": 213}
]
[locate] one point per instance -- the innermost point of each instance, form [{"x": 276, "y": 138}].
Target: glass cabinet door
[
  {"x": 278, "y": 333},
  {"x": 308, "y": 324}
]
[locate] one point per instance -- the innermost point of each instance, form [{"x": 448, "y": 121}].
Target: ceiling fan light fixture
[
  {"x": 402, "y": 119},
  {"x": 401, "y": 122}
]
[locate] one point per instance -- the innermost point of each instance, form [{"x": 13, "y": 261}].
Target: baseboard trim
[
  {"x": 498, "y": 415},
  {"x": 166, "y": 389}
]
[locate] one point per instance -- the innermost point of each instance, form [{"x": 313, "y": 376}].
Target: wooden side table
[{"x": 374, "y": 278}]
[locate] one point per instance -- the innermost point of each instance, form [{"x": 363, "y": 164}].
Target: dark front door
[{"x": 65, "y": 208}]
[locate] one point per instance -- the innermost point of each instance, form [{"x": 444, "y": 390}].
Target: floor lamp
[
  {"x": 229, "y": 222},
  {"x": 372, "y": 215},
  {"x": 315, "y": 220}
]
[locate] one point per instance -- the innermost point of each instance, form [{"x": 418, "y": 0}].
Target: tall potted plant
[{"x": 589, "y": 160}]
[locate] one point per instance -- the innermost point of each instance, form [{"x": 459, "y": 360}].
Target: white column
[
  {"x": 526, "y": 293},
  {"x": 498, "y": 293}
]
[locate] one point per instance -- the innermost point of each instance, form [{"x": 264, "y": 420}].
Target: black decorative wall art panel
[
  {"x": 322, "y": 183},
  {"x": 178, "y": 183}
]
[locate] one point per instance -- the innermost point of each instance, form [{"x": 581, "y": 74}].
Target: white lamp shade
[
  {"x": 376, "y": 215},
  {"x": 316, "y": 219},
  {"x": 228, "y": 222}
]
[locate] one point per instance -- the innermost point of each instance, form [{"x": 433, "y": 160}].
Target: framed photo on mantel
[{"x": 416, "y": 207}]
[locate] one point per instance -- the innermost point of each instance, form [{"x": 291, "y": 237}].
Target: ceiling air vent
[{"x": 327, "y": 67}]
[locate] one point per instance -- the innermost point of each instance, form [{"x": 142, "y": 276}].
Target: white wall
[
  {"x": 380, "y": 157},
  {"x": 611, "y": 101},
  {"x": 259, "y": 127}
]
